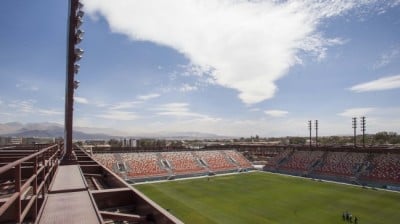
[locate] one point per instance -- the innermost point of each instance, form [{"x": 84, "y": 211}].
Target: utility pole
[
  {"x": 363, "y": 129},
  {"x": 310, "y": 127},
  {"x": 355, "y": 131},
  {"x": 316, "y": 133}
]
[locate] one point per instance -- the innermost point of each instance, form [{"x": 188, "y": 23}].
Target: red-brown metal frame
[{"x": 45, "y": 162}]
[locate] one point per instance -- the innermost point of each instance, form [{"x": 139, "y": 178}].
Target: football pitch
[{"x": 259, "y": 197}]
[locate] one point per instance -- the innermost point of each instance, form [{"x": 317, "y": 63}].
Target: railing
[{"x": 38, "y": 170}]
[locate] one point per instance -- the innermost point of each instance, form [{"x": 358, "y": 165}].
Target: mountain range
[{"x": 54, "y": 130}]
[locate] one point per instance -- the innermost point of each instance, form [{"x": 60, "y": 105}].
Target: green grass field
[{"x": 260, "y": 197}]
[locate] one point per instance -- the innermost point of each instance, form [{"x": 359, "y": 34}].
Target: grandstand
[
  {"x": 146, "y": 166},
  {"x": 378, "y": 167},
  {"x": 115, "y": 200},
  {"x": 382, "y": 168}
]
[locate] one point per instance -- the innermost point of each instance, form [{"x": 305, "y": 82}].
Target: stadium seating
[
  {"x": 215, "y": 160},
  {"x": 238, "y": 158},
  {"x": 302, "y": 160},
  {"x": 273, "y": 162},
  {"x": 143, "y": 164},
  {"x": 107, "y": 159},
  {"x": 341, "y": 163},
  {"x": 182, "y": 162},
  {"x": 384, "y": 167},
  {"x": 159, "y": 164}
]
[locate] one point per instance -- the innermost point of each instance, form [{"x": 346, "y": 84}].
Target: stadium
[
  {"x": 345, "y": 179},
  {"x": 211, "y": 185},
  {"x": 211, "y": 179}
]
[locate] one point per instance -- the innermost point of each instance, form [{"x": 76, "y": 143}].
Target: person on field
[{"x": 355, "y": 220}]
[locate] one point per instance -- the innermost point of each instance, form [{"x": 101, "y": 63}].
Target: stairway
[
  {"x": 168, "y": 167},
  {"x": 230, "y": 160}
]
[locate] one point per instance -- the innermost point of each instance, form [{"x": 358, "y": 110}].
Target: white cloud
[
  {"x": 25, "y": 106},
  {"x": 276, "y": 113},
  {"x": 119, "y": 115},
  {"x": 50, "y": 112},
  {"x": 177, "y": 110},
  {"x": 244, "y": 45},
  {"x": 255, "y": 109},
  {"x": 385, "y": 83},
  {"x": 25, "y": 85},
  {"x": 357, "y": 112},
  {"x": 125, "y": 105},
  {"x": 386, "y": 58},
  {"x": 148, "y": 96},
  {"x": 187, "y": 88},
  {"x": 81, "y": 100}
]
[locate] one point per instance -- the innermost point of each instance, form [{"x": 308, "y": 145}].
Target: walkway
[{"x": 69, "y": 200}]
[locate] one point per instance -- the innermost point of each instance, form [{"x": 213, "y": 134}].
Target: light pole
[{"x": 74, "y": 54}]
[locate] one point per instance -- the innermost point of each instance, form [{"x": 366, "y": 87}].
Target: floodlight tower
[
  {"x": 316, "y": 133},
  {"x": 355, "y": 131},
  {"x": 310, "y": 127},
  {"x": 74, "y": 54},
  {"x": 363, "y": 129}
]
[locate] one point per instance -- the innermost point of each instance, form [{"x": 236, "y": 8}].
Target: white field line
[{"x": 189, "y": 178}]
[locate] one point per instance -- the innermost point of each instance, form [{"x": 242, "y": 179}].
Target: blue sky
[{"x": 236, "y": 68}]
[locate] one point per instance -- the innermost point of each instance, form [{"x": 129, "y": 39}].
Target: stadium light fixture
[
  {"x": 78, "y": 39},
  {"x": 76, "y": 84},
  {"x": 79, "y": 21},
  {"x": 80, "y": 13},
  {"x": 78, "y": 52},
  {"x": 78, "y": 57},
  {"x": 80, "y": 33},
  {"x": 79, "y": 6},
  {"x": 76, "y": 68}
]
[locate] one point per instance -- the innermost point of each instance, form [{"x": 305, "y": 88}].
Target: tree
[{"x": 114, "y": 143}]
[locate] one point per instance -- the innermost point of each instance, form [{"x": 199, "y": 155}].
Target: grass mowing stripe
[
  {"x": 179, "y": 208},
  {"x": 269, "y": 198}
]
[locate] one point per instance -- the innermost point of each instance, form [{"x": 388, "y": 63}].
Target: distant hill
[
  {"x": 45, "y": 130},
  {"x": 182, "y": 135},
  {"x": 54, "y": 130}
]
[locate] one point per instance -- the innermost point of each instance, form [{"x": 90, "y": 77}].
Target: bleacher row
[
  {"x": 157, "y": 164},
  {"x": 375, "y": 167}
]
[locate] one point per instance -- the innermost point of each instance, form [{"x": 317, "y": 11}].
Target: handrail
[
  {"x": 20, "y": 161},
  {"x": 48, "y": 158}
]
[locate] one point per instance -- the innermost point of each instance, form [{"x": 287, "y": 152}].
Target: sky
[{"x": 228, "y": 67}]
